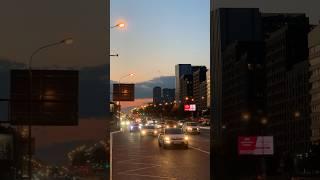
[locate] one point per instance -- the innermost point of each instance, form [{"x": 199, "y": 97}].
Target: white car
[
  {"x": 149, "y": 130},
  {"x": 191, "y": 128},
  {"x": 172, "y": 137}
]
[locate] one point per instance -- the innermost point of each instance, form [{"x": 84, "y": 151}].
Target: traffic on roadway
[{"x": 167, "y": 149}]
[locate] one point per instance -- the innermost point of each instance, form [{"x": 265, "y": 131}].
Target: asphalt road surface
[{"x": 140, "y": 158}]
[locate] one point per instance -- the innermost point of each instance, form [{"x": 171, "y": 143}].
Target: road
[{"x": 140, "y": 158}]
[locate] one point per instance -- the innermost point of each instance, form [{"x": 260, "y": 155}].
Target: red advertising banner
[
  {"x": 255, "y": 145},
  {"x": 189, "y": 107}
]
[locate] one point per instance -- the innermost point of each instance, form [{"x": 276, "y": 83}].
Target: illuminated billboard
[
  {"x": 255, "y": 145},
  {"x": 190, "y": 107},
  {"x": 123, "y": 92},
  {"x": 54, "y": 99}
]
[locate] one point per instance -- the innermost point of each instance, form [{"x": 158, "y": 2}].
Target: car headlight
[
  {"x": 174, "y": 126},
  {"x": 186, "y": 138},
  {"x": 155, "y": 131},
  {"x": 167, "y": 139},
  {"x": 123, "y": 123},
  {"x": 127, "y": 122},
  {"x": 167, "y": 126},
  {"x": 189, "y": 128},
  {"x": 143, "y": 132}
]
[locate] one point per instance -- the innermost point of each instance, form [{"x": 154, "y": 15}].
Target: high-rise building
[
  {"x": 157, "y": 98},
  {"x": 186, "y": 88},
  {"x": 228, "y": 25},
  {"x": 314, "y": 60},
  {"x": 243, "y": 84},
  {"x": 180, "y": 70},
  {"x": 200, "y": 87},
  {"x": 286, "y": 49},
  {"x": 284, "y": 110},
  {"x": 168, "y": 95}
]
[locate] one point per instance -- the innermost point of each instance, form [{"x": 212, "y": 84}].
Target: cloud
[
  {"x": 145, "y": 89},
  {"x": 93, "y": 94}
]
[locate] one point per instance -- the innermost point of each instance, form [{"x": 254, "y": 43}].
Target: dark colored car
[
  {"x": 171, "y": 124},
  {"x": 134, "y": 127}
]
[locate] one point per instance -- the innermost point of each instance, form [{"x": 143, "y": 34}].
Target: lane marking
[
  {"x": 142, "y": 175},
  {"x": 143, "y": 163},
  {"x": 200, "y": 150},
  {"x": 134, "y": 159},
  {"x": 132, "y": 170},
  {"x": 111, "y": 150}
]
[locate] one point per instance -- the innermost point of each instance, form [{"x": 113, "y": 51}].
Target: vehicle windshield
[
  {"x": 192, "y": 124},
  {"x": 173, "y": 131}
]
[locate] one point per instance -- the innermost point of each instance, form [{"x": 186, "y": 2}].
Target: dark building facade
[
  {"x": 180, "y": 70},
  {"x": 228, "y": 25},
  {"x": 286, "y": 49},
  {"x": 168, "y": 95},
  {"x": 199, "y": 88},
  {"x": 243, "y": 84},
  {"x": 314, "y": 59},
  {"x": 186, "y": 88},
  {"x": 157, "y": 98},
  {"x": 259, "y": 86}
]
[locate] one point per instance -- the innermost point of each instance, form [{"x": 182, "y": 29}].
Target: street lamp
[
  {"x": 66, "y": 41},
  {"x": 246, "y": 116},
  {"x": 297, "y": 114},
  {"x": 119, "y": 82},
  {"x": 120, "y": 25}
]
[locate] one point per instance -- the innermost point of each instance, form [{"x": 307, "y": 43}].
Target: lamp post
[
  {"x": 264, "y": 122},
  {"x": 120, "y": 25},
  {"x": 119, "y": 82},
  {"x": 116, "y": 55},
  {"x": 64, "y": 41}
]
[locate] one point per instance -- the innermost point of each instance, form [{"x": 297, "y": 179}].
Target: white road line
[
  {"x": 142, "y": 175},
  {"x": 134, "y": 159},
  {"x": 132, "y": 170},
  {"x": 144, "y": 164},
  {"x": 111, "y": 150},
  {"x": 199, "y": 150}
]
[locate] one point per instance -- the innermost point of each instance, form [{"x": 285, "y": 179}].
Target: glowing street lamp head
[
  {"x": 67, "y": 41},
  {"x": 131, "y": 74},
  {"x": 121, "y": 25},
  {"x": 264, "y": 121}
]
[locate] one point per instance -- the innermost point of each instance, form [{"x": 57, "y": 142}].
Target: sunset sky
[{"x": 159, "y": 34}]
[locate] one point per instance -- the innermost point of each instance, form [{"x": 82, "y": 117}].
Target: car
[
  {"x": 134, "y": 127},
  {"x": 149, "y": 130},
  {"x": 180, "y": 123},
  {"x": 172, "y": 137},
  {"x": 171, "y": 124},
  {"x": 161, "y": 124},
  {"x": 191, "y": 128}
]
